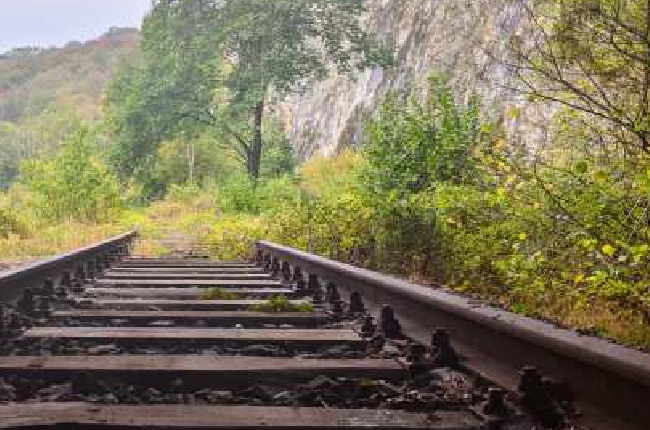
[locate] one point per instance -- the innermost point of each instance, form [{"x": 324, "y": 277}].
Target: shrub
[
  {"x": 233, "y": 236},
  {"x": 10, "y": 224},
  {"x": 73, "y": 184}
]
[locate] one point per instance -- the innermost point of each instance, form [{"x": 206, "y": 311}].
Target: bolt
[
  {"x": 275, "y": 268},
  {"x": 356, "y": 303},
  {"x": 112, "y": 257},
  {"x": 388, "y": 325},
  {"x": 79, "y": 274},
  {"x": 26, "y": 302},
  {"x": 90, "y": 272},
  {"x": 337, "y": 307},
  {"x": 376, "y": 343},
  {"x": 496, "y": 403},
  {"x": 368, "y": 327},
  {"x": 65, "y": 280},
  {"x": 530, "y": 380},
  {"x": 416, "y": 352},
  {"x": 2, "y": 321},
  {"x": 317, "y": 295},
  {"x": 536, "y": 398},
  {"x": 286, "y": 271},
  {"x": 44, "y": 306},
  {"x": 444, "y": 354},
  {"x": 297, "y": 275},
  {"x": 61, "y": 293},
  {"x": 312, "y": 283},
  {"x": 77, "y": 287},
  {"x": 299, "y": 280},
  {"x": 48, "y": 287},
  {"x": 14, "y": 321},
  {"x": 332, "y": 295}
]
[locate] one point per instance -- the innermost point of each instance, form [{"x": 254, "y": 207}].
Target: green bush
[
  {"x": 237, "y": 194},
  {"x": 72, "y": 185}
]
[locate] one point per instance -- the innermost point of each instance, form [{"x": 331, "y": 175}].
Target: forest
[{"x": 175, "y": 129}]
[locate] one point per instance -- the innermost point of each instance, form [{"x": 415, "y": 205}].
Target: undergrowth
[{"x": 436, "y": 195}]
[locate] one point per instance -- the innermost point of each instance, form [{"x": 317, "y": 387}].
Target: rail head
[
  {"x": 549, "y": 346},
  {"x": 61, "y": 262}
]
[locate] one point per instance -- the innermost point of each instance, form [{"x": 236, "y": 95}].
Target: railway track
[{"x": 96, "y": 338}]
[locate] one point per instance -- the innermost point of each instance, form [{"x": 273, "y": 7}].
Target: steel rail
[
  {"x": 611, "y": 382},
  {"x": 14, "y": 281}
]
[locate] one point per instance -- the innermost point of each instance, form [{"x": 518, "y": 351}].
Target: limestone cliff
[{"x": 466, "y": 39}]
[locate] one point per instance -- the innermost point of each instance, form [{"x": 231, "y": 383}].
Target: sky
[{"x": 48, "y": 23}]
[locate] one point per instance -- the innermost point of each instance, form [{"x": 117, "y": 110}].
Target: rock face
[{"x": 465, "y": 39}]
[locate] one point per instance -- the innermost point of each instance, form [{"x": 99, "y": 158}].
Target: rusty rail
[
  {"x": 612, "y": 383},
  {"x": 86, "y": 260}
]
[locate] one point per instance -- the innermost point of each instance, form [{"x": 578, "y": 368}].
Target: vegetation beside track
[{"x": 438, "y": 193}]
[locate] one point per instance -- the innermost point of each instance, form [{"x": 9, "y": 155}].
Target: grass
[
  {"x": 218, "y": 294},
  {"x": 281, "y": 304},
  {"x": 189, "y": 219},
  {"x": 52, "y": 240}
]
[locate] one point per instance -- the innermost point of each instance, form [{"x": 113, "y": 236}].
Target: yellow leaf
[
  {"x": 601, "y": 176},
  {"x": 523, "y": 236},
  {"x": 608, "y": 250}
]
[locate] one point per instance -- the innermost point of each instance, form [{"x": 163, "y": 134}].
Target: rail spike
[
  {"x": 3, "y": 329},
  {"x": 443, "y": 353},
  {"x": 286, "y": 271},
  {"x": 356, "y": 303},
  {"x": 332, "y": 294},
  {"x": 496, "y": 403},
  {"x": 299, "y": 281},
  {"x": 388, "y": 325},
  {"x": 275, "y": 267},
  {"x": 536, "y": 398},
  {"x": 48, "y": 288},
  {"x": 315, "y": 288},
  {"x": 26, "y": 302},
  {"x": 368, "y": 328}
]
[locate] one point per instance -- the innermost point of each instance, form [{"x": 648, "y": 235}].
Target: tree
[
  {"x": 592, "y": 56},
  {"x": 225, "y": 60}
]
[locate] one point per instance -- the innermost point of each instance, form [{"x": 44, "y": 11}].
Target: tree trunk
[
  {"x": 190, "y": 162},
  {"x": 255, "y": 155}
]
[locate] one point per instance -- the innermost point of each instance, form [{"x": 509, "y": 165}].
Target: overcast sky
[{"x": 55, "y": 22}]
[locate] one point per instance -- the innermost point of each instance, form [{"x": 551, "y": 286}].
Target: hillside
[
  {"x": 44, "y": 93},
  {"x": 33, "y": 79}
]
